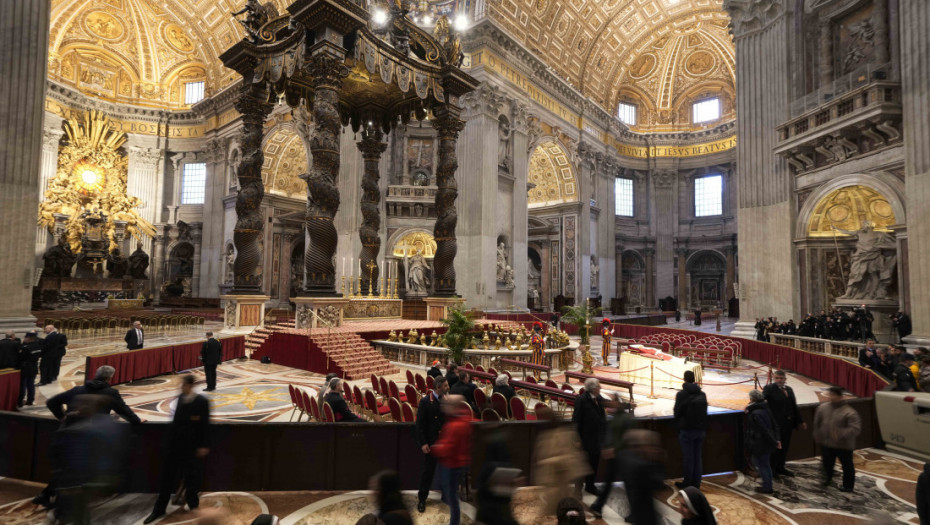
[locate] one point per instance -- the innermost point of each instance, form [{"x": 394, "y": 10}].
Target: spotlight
[
  {"x": 461, "y": 22},
  {"x": 379, "y": 17}
]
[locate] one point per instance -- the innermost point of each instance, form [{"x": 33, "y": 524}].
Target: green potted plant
[
  {"x": 578, "y": 316},
  {"x": 458, "y": 332}
]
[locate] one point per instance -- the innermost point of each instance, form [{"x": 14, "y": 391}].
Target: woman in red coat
[{"x": 453, "y": 451}]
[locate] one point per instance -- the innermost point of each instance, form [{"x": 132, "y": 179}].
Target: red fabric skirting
[
  {"x": 148, "y": 362},
  {"x": 829, "y": 369},
  {"x": 9, "y": 389}
]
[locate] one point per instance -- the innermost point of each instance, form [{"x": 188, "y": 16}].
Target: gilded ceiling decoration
[
  {"x": 285, "y": 161},
  {"x": 142, "y": 52},
  {"x": 847, "y": 208},
  {"x": 553, "y": 176},
  {"x": 91, "y": 182},
  {"x": 660, "y": 53},
  {"x": 415, "y": 242}
]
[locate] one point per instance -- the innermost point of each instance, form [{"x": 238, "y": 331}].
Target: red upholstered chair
[
  {"x": 347, "y": 390},
  {"x": 530, "y": 379},
  {"x": 481, "y": 399},
  {"x": 395, "y": 392},
  {"x": 552, "y": 384},
  {"x": 377, "y": 411},
  {"x": 385, "y": 389},
  {"x": 499, "y": 404},
  {"x": 413, "y": 397},
  {"x": 394, "y": 407},
  {"x": 429, "y": 383},
  {"x": 468, "y": 366},
  {"x": 489, "y": 414},
  {"x": 290, "y": 390},
  {"x": 407, "y": 412},
  {"x": 568, "y": 388},
  {"x": 465, "y": 405},
  {"x": 410, "y": 377},
  {"x": 509, "y": 375},
  {"x": 538, "y": 407},
  {"x": 479, "y": 368},
  {"x": 310, "y": 406},
  {"x": 518, "y": 409},
  {"x": 357, "y": 396},
  {"x": 374, "y": 384},
  {"x": 492, "y": 371},
  {"x": 666, "y": 347},
  {"x": 328, "y": 416},
  {"x": 421, "y": 384}
]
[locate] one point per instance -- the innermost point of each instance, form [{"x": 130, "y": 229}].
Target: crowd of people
[
  {"x": 835, "y": 325},
  {"x": 33, "y": 356},
  {"x": 906, "y": 372}
]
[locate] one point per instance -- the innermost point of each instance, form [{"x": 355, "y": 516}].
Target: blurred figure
[
  {"x": 88, "y": 457},
  {"x": 923, "y": 495},
  {"x": 385, "y": 487},
  {"x": 9, "y": 351},
  {"x": 324, "y": 390},
  {"x": 502, "y": 387},
  {"x": 341, "y": 412},
  {"x": 836, "y": 427},
  {"x": 29, "y": 354},
  {"x": 691, "y": 416},
  {"x": 452, "y": 374},
  {"x": 924, "y": 374},
  {"x": 570, "y": 511},
  {"x": 434, "y": 370},
  {"x": 762, "y": 438},
  {"x": 614, "y": 452},
  {"x": 496, "y": 481},
  {"x": 784, "y": 406},
  {"x": 184, "y": 450},
  {"x": 429, "y": 423},
  {"x": 453, "y": 452},
  {"x": 645, "y": 475},
  {"x": 590, "y": 420},
  {"x": 211, "y": 354},
  {"x": 902, "y": 323},
  {"x": 558, "y": 462},
  {"x": 904, "y": 380},
  {"x": 694, "y": 508}
]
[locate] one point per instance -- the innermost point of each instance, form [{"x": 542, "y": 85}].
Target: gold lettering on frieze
[{"x": 138, "y": 128}]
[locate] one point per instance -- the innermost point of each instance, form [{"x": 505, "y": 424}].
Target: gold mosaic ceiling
[
  {"x": 847, "y": 208},
  {"x": 285, "y": 161},
  {"x": 660, "y": 54},
  {"x": 552, "y": 174}
]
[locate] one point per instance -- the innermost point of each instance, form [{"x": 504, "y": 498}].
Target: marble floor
[{"x": 885, "y": 488}]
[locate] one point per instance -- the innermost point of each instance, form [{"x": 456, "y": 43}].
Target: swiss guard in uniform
[
  {"x": 538, "y": 345},
  {"x": 606, "y": 332}
]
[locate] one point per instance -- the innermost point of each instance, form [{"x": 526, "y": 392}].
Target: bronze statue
[
  {"x": 59, "y": 259},
  {"x": 138, "y": 263},
  {"x": 117, "y": 265},
  {"x": 256, "y": 16}
]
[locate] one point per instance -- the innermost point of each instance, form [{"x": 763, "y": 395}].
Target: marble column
[
  {"x": 212, "y": 257},
  {"x": 915, "y": 84},
  {"x": 826, "y": 53},
  {"x": 371, "y": 146},
  {"x": 730, "y": 252},
  {"x": 24, "y": 31},
  {"x": 327, "y": 70},
  {"x": 143, "y": 181},
  {"x": 196, "y": 240},
  {"x": 682, "y": 278},
  {"x": 51, "y": 142},
  {"x": 651, "y": 301},
  {"x": 448, "y": 126},
  {"x": 157, "y": 268},
  {"x": 665, "y": 219},
  {"x": 520, "y": 171},
  {"x": 880, "y": 26}
]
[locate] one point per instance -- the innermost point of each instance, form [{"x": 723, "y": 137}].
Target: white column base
[
  {"x": 20, "y": 325},
  {"x": 744, "y": 329}
]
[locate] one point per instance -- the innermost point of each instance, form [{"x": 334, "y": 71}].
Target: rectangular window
[
  {"x": 624, "y": 197},
  {"x": 193, "y": 92},
  {"x": 194, "y": 183},
  {"x": 708, "y": 196},
  {"x": 627, "y": 114},
  {"x": 706, "y": 110}
]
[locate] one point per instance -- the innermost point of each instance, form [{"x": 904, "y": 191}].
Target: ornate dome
[
  {"x": 285, "y": 161},
  {"x": 552, "y": 174}
]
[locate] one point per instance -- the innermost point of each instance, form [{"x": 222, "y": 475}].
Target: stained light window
[
  {"x": 624, "y": 189},
  {"x": 708, "y": 196},
  {"x": 627, "y": 113},
  {"x": 193, "y": 92},
  {"x": 706, "y": 110},
  {"x": 194, "y": 183}
]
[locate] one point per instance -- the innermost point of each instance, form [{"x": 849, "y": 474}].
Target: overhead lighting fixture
[
  {"x": 379, "y": 17},
  {"x": 461, "y": 23},
  {"x": 427, "y": 20}
]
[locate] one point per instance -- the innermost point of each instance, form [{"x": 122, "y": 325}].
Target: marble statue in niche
[
  {"x": 502, "y": 263},
  {"x": 595, "y": 272},
  {"x": 417, "y": 270},
  {"x": 59, "y": 259},
  {"x": 230, "y": 259},
  {"x": 870, "y": 269},
  {"x": 862, "y": 40},
  {"x": 505, "y": 133}
]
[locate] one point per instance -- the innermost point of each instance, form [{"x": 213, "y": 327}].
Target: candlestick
[
  {"x": 395, "y": 288},
  {"x": 371, "y": 268},
  {"x": 343, "y": 268},
  {"x": 344, "y": 284},
  {"x": 358, "y": 287}
]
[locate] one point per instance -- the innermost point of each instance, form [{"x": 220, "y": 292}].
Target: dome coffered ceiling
[{"x": 657, "y": 53}]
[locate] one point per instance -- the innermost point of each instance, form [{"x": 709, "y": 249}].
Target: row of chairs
[{"x": 113, "y": 326}]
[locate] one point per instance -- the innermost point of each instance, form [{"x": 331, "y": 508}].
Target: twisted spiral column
[
  {"x": 327, "y": 69},
  {"x": 448, "y": 126},
  {"x": 253, "y": 105},
  {"x": 371, "y": 147}
]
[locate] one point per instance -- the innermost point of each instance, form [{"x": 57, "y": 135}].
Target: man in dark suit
[
  {"x": 337, "y": 403},
  {"x": 429, "y": 422},
  {"x": 784, "y": 406},
  {"x": 135, "y": 337},
  {"x": 29, "y": 354},
  {"x": 590, "y": 419},
  {"x": 452, "y": 374},
  {"x": 9, "y": 351},
  {"x": 54, "y": 347},
  {"x": 211, "y": 354},
  {"x": 465, "y": 388},
  {"x": 185, "y": 449}
]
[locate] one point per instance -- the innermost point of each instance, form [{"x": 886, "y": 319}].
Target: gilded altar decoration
[{"x": 91, "y": 182}]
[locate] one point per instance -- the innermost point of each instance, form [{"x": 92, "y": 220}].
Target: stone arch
[
  {"x": 632, "y": 277},
  {"x": 707, "y": 270},
  {"x": 286, "y": 158},
  {"x": 883, "y": 183},
  {"x": 551, "y": 170}
]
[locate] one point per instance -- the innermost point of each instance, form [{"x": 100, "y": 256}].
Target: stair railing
[
  {"x": 329, "y": 331},
  {"x": 260, "y": 325}
]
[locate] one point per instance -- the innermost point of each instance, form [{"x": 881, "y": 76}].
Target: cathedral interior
[{"x": 324, "y": 162}]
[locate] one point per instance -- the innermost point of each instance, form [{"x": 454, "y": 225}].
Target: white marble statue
[
  {"x": 870, "y": 270},
  {"x": 502, "y": 263},
  {"x": 503, "y": 151},
  {"x": 508, "y": 277},
  {"x": 417, "y": 271},
  {"x": 595, "y": 272},
  {"x": 230, "y": 264}
]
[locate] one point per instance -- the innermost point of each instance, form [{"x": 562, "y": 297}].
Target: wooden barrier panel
[{"x": 149, "y": 362}]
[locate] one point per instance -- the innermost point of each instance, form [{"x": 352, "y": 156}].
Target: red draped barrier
[
  {"x": 829, "y": 369},
  {"x": 148, "y": 362},
  {"x": 9, "y": 389}
]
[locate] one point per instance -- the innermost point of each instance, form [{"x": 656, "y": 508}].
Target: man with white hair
[
  {"x": 54, "y": 347},
  {"x": 135, "y": 336},
  {"x": 100, "y": 386},
  {"x": 590, "y": 420},
  {"x": 502, "y": 387}
]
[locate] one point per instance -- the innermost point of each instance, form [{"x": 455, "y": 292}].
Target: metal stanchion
[
  {"x": 755, "y": 380},
  {"x": 651, "y": 380}
]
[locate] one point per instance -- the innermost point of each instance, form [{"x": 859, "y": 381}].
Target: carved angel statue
[
  {"x": 257, "y": 15},
  {"x": 870, "y": 270},
  {"x": 449, "y": 41}
]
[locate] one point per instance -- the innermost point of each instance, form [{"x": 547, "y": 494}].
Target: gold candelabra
[
  {"x": 395, "y": 289},
  {"x": 358, "y": 287},
  {"x": 381, "y": 288},
  {"x": 371, "y": 268},
  {"x": 344, "y": 287}
]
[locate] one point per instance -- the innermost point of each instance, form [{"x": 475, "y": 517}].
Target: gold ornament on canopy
[{"x": 91, "y": 179}]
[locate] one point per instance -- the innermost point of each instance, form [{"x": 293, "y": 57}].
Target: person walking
[
  {"x": 29, "y": 354},
  {"x": 836, "y": 427},
  {"x": 922, "y": 495},
  {"x": 391, "y": 509},
  {"x": 135, "y": 336},
  {"x": 428, "y": 425},
  {"x": 590, "y": 421},
  {"x": 694, "y": 508},
  {"x": 211, "y": 354},
  {"x": 645, "y": 475},
  {"x": 614, "y": 452},
  {"x": 691, "y": 417},
  {"x": 184, "y": 450},
  {"x": 762, "y": 438},
  {"x": 784, "y": 406},
  {"x": 453, "y": 452}
]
